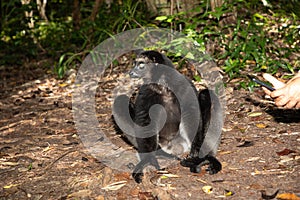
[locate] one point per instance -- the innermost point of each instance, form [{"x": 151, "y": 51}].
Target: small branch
[
  {"x": 95, "y": 10},
  {"x": 57, "y": 159}
]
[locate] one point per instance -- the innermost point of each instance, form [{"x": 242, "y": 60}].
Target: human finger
[
  {"x": 278, "y": 92},
  {"x": 281, "y": 101},
  {"x": 276, "y": 83},
  {"x": 268, "y": 92},
  {"x": 291, "y": 104},
  {"x": 298, "y": 105}
]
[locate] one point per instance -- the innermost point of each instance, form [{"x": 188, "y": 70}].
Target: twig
[
  {"x": 11, "y": 125},
  {"x": 57, "y": 159}
]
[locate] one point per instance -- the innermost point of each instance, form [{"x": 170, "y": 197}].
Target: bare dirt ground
[{"x": 42, "y": 157}]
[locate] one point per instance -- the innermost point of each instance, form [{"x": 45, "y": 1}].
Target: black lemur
[{"x": 168, "y": 133}]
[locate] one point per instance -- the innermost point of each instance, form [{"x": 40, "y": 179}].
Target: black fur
[{"x": 149, "y": 147}]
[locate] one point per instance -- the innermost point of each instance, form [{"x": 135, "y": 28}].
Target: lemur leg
[
  {"x": 147, "y": 153},
  {"x": 205, "y": 108},
  {"x": 194, "y": 162}
]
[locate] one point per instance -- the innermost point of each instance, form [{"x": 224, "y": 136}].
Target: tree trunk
[
  {"x": 0, "y": 14},
  {"x": 170, "y": 7},
  {"x": 41, "y": 6},
  {"x": 95, "y": 10},
  {"x": 76, "y": 15},
  {"x": 28, "y": 14}
]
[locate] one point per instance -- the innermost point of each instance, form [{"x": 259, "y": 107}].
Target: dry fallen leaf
[
  {"x": 10, "y": 186},
  {"x": 100, "y": 197},
  {"x": 225, "y": 152},
  {"x": 256, "y": 172},
  {"x": 9, "y": 163},
  {"x": 156, "y": 180},
  {"x": 202, "y": 181},
  {"x": 122, "y": 176},
  {"x": 63, "y": 84},
  {"x": 146, "y": 196},
  {"x": 207, "y": 189},
  {"x": 115, "y": 186},
  {"x": 261, "y": 125},
  {"x": 228, "y": 193},
  {"x": 285, "y": 152},
  {"x": 46, "y": 149},
  {"x": 252, "y": 159},
  {"x": 254, "y": 114},
  {"x": 164, "y": 176},
  {"x": 226, "y": 129},
  {"x": 287, "y": 196},
  {"x": 285, "y": 159}
]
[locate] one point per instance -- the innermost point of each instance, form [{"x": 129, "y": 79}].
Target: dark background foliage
[{"x": 241, "y": 35}]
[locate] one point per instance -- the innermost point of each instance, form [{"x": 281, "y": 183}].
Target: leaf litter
[{"x": 36, "y": 122}]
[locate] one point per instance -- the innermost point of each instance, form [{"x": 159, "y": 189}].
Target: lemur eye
[{"x": 142, "y": 65}]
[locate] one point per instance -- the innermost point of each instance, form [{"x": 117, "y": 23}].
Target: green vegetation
[
  {"x": 258, "y": 40},
  {"x": 246, "y": 36},
  {"x": 58, "y": 37}
]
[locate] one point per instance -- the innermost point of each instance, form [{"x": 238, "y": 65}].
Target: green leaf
[
  {"x": 197, "y": 78},
  {"x": 169, "y": 20},
  {"x": 30, "y": 167},
  {"x": 189, "y": 55},
  {"x": 61, "y": 72},
  {"x": 257, "y": 15},
  {"x": 161, "y": 18}
]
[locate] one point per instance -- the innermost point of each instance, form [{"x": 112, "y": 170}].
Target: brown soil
[{"x": 42, "y": 157}]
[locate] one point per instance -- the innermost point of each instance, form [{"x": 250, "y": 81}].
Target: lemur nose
[{"x": 132, "y": 74}]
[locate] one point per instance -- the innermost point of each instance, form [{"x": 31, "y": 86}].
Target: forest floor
[{"x": 42, "y": 156}]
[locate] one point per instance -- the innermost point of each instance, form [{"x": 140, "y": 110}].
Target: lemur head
[{"x": 146, "y": 61}]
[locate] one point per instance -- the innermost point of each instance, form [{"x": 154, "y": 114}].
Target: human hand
[{"x": 285, "y": 95}]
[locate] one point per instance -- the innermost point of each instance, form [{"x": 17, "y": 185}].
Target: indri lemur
[{"x": 169, "y": 139}]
